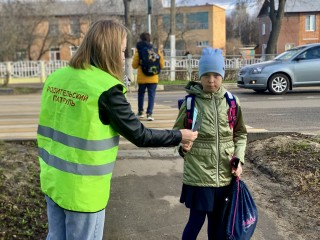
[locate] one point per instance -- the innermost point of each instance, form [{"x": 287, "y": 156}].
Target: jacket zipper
[{"x": 217, "y": 141}]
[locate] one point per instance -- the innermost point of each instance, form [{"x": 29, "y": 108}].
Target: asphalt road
[{"x": 296, "y": 111}]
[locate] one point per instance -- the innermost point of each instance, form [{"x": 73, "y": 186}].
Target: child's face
[{"x": 211, "y": 82}]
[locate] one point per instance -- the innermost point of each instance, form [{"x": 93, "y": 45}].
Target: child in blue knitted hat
[
  {"x": 211, "y": 64},
  {"x": 211, "y": 61},
  {"x": 207, "y": 171}
]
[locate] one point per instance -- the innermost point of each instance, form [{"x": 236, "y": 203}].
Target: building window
[
  {"x": 180, "y": 22},
  {"x": 202, "y": 43},
  {"x": 180, "y": 44},
  {"x": 53, "y": 28},
  {"x": 310, "y": 22},
  {"x": 264, "y": 47},
  {"x": 55, "y": 54},
  {"x": 73, "y": 49},
  {"x": 134, "y": 27},
  {"x": 75, "y": 26},
  {"x": 187, "y": 21},
  {"x": 289, "y": 46},
  {"x": 263, "y": 31},
  {"x": 166, "y": 22},
  {"x": 197, "y": 20},
  {"x": 21, "y": 55}
]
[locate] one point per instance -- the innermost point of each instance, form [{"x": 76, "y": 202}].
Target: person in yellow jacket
[
  {"x": 145, "y": 81},
  {"x": 83, "y": 112}
]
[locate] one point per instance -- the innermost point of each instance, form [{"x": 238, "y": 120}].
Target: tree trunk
[
  {"x": 276, "y": 17},
  {"x": 128, "y": 52},
  {"x": 127, "y": 20}
]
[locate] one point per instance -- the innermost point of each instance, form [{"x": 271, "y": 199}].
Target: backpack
[
  {"x": 149, "y": 60},
  {"x": 190, "y": 103}
]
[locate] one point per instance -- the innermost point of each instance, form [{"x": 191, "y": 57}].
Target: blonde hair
[{"x": 101, "y": 47}]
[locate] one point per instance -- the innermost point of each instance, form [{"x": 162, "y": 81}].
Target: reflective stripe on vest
[
  {"x": 71, "y": 141},
  {"x": 75, "y": 168}
]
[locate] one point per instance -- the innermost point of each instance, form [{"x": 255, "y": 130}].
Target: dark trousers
[
  {"x": 196, "y": 220},
  {"x": 216, "y": 224},
  {"x": 151, "y": 87}
]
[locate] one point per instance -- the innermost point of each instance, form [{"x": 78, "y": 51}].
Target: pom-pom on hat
[{"x": 211, "y": 60}]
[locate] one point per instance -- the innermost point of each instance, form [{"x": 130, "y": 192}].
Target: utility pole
[
  {"x": 172, "y": 40},
  {"x": 149, "y": 4}
]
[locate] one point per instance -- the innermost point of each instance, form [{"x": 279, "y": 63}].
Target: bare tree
[
  {"x": 127, "y": 20},
  {"x": 26, "y": 27},
  {"x": 241, "y": 28},
  {"x": 128, "y": 52},
  {"x": 276, "y": 17},
  {"x": 13, "y": 30}
]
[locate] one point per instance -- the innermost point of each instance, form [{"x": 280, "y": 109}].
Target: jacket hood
[{"x": 196, "y": 89}]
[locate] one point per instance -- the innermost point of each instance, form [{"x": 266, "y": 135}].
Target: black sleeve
[{"x": 115, "y": 110}]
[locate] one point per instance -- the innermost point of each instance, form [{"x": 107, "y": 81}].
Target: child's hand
[
  {"x": 237, "y": 172},
  {"x": 187, "y": 146}
]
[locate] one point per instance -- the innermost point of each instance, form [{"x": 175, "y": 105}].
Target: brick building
[{"x": 300, "y": 24}]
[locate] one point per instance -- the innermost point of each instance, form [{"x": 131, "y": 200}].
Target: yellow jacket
[{"x": 141, "y": 77}]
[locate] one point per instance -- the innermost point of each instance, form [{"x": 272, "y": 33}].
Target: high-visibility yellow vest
[{"x": 77, "y": 152}]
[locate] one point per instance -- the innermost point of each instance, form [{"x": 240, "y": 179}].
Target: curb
[{"x": 6, "y": 91}]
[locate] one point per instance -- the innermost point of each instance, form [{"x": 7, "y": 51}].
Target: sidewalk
[{"x": 144, "y": 201}]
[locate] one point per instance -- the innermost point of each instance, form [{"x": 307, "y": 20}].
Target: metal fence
[
  {"x": 30, "y": 69},
  {"x": 39, "y": 70}
]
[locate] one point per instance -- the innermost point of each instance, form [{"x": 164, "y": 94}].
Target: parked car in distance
[{"x": 296, "y": 67}]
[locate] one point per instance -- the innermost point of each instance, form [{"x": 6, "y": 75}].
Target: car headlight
[{"x": 256, "y": 70}]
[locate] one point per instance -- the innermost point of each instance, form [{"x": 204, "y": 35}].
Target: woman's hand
[{"x": 188, "y": 136}]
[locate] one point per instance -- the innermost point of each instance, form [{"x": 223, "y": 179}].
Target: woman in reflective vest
[{"x": 83, "y": 112}]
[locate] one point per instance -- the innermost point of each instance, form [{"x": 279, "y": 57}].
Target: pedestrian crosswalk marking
[{"x": 20, "y": 122}]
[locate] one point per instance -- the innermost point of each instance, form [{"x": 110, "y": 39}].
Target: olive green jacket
[{"x": 207, "y": 164}]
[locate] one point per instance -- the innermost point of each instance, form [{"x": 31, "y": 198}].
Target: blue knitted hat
[{"x": 211, "y": 60}]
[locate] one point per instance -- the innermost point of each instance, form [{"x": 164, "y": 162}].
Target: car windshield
[{"x": 288, "y": 54}]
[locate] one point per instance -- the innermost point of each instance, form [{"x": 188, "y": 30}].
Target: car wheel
[
  {"x": 259, "y": 90},
  {"x": 278, "y": 84}
]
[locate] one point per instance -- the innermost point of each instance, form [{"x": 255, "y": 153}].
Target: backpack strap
[
  {"x": 190, "y": 103},
  {"x": 233, "y": 109}
]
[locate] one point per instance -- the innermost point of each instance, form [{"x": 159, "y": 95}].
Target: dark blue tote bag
[{"x": 240, "y": 213}]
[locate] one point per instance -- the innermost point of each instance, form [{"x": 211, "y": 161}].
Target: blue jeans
[
  {"x": 69, "y": 225},
  {"x": 151, "y": 96}
]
